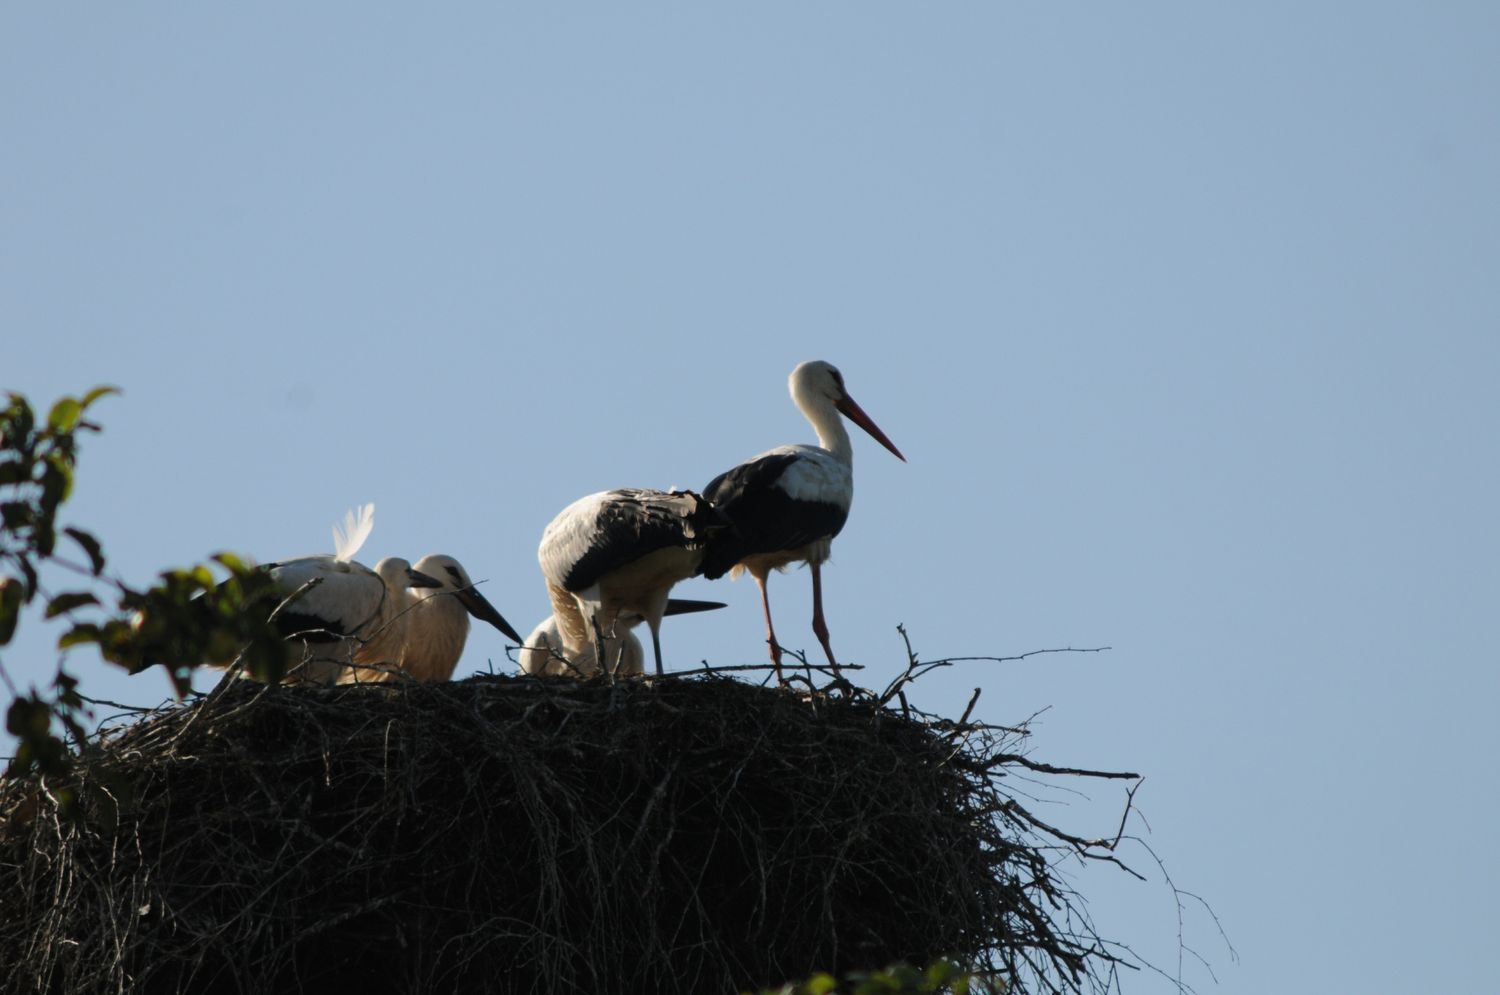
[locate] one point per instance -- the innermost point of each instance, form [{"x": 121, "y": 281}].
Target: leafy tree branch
[{"x": 186, "y": 618}]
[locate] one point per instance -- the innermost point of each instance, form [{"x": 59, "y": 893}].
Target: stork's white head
[
  {"x": 454, "y": 580},
  {"x": 397, "y": 575},
  {"x": 448, "y": 572},
  {"x": 817, "y": 386},
  {"x": 816, "y": 381}
]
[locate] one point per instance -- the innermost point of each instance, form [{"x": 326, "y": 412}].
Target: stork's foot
[
  {"x": 840, "y": 683},
  {"x": 600, "y": 660},
  {"x": 776, "y": 661}
]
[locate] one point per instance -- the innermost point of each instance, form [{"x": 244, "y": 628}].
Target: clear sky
[{"x": 1187, "y": 317}]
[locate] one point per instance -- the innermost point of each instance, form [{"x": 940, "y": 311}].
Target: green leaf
[
  {"x": 12, "y": 596},
  {"x": 64, "y": 416},
  {"x": 69, "y": 601},
  {"x": 230, "y": 562},
  {"x": 15, "y": 515},
  {"x": 85, "y": 632},
  {"x": 31, "y": 578},
  {"x": 28, "y": 718},
  {"x": 14, "y": 472},
  {"x": 819, "y": 984},
  {"x": 940, "y": 972},
  {"x": 220, "y": 646},
  {"x": 266, "y": 657},
  {"x": 90, "y": 546},
  {"x": 57, "y": 480},
  {"x": 19, "y": 423},
  {"x": 96, "y": 393},
  {"x": 44, "y": 536}
]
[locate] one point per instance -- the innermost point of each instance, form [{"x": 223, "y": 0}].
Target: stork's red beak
[{"x": 857, "y": 415}]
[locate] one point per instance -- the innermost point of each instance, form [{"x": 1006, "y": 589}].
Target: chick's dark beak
[
  {"x": 686, "y": 606},
  {"x": 481, "y": 609},
  {"x": 416, "y": 578}
]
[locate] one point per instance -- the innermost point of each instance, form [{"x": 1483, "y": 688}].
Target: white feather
[
  {"x": 569, "y": 536},
  {"x": 816, "y": 475},
  {"x": 353, "y": 533}
]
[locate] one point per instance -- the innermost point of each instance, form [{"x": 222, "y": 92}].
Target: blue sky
[{"x": 1186, "y": 317}]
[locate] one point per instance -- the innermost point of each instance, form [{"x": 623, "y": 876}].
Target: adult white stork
[
  {"x": 786, "y": 505},
  {"x": 546, "y": 652},
  {"x": 614, "y": 556},
  {"x": 435, "y": 620}
]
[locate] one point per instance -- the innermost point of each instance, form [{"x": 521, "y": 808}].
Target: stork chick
[
  {"x": 434, "y": 627},
  {"x": 546, "y": 653}
]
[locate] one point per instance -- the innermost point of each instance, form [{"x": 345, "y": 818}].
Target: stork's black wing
[
  {"x": 631, "y": 523},
  {"x": 763, "y": 517}
]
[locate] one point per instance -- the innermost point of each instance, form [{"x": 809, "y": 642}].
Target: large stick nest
[{"x": 530, "y": 835}]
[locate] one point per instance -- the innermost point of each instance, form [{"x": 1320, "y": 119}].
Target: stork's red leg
[
  {"x": 820, "y": 627},
  {"x": 765, "y": 604}
]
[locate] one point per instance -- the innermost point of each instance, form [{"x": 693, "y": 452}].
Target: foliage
[
  {"x": 37, "y": 462},
  {"x": 189, "y": 618},
  {"x": 36, "y": 476},
  {"x": 185, "y": 619},
  {"x": 941, "y": 977}
]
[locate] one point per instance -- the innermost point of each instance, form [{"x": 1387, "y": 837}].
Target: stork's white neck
[
  {"x": 572, "y": 628},
  {"x": 386, "y": 635},
  {"x": 438, "y": 629},
  {"x": 829, "y": 425}
]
